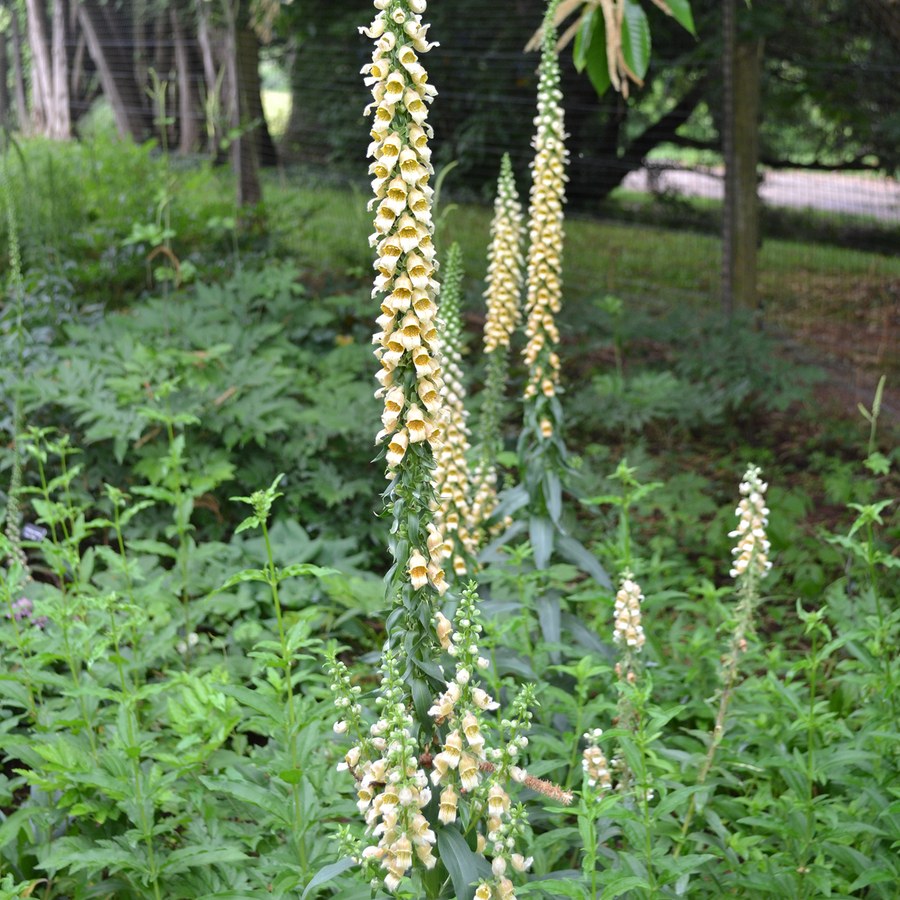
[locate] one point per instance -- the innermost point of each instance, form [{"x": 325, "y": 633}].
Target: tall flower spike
[
  {"x": 505, "y": 264},
  {"x": 451, "y": 475},
  {"x": 752, "y": 550},
  {"x": 750, "y": 567},
  {"x": 541, "y": 449},
  {"x": 408, "y": 345},
  {"x": 544, "y": 271},
  {"x": 393, "y": 790}
]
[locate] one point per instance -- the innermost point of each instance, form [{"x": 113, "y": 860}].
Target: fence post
[{"x": 741, "y": 64}]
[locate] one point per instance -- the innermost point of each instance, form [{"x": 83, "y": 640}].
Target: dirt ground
[{"x": 853, "y": 333}]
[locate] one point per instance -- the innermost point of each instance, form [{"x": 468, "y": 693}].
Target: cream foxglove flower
[{"x": 545, "y": 223}]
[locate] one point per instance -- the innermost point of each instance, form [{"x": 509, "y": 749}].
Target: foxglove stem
[{"x": 751, "y": 567}]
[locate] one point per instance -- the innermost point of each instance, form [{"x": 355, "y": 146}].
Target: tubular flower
[
  {"x": 505, "y": 262},
  {"x": 544, "y": 269},
  {"x": 403, "y": 225},
  {"x": 628, "y": 628},
  {"x": 753, "y": 546},
  {"x": 451, "y": 475},
  {"x": 473, "y": 769},
  {"x": 407, "y": 342},
  {"x": 593, "y": 762},
  {"x": 392, "y": 789}
]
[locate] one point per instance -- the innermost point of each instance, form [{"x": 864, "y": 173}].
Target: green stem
[
  {"x": 645, "y": 807},
  {"x": 870, "y": 562},
  {"x": 182, "y": 534},
  {"x": 290, "y": 728},
  {"x": 810, "y": 756},
  {"x": 135, "y": 767},
  {"x": 21, "y": 646},
  {"x": 128, "y": 582}
]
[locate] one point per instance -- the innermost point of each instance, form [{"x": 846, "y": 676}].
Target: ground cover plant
[{"x": 585, "y": 676}]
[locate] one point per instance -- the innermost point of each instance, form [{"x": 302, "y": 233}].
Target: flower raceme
[
  {"x": 628, "y": 628},
  {"x": 408, "y": 346},
  {"x": 752, "y": 550},
  {"x": 473, "y": 763},
  {"x": 407, "y": 341},
  {"x": 504, "y": 286},
  {"x": 504, "y": 273},
  {"x": 453, "y": 515},
  {"x": 545, "y": 222}
]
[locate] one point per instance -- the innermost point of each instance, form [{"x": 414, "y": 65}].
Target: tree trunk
[
  {"x": 188, "y": 119},
  {"x": 243, "y": 149},
  {"x": 728, "y": 153},
  {"x": 60, "y": 123},
  {"x": 41, "y": 77},
  {"x": 19, "y": 75},
  {"x": 747, "y": 60},
  {"x": 213, "y": 94},
  {"x": 251, "y": 97},
  {"x": 113, "y": 58},
  {"x": 4, "y": 89}
]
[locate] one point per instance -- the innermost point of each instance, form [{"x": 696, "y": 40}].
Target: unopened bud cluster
[
  {"x": 752, "y": 550},
  {"x": 544, "y": 270}
]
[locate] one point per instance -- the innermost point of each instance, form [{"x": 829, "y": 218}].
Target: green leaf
[
  {"x": 305, "y": 569},
  {"x": 878, "y": 875},
  {"x": 237, "y": 895},
  {"x": 257, "y": 700},
  {"x": 269, "y": 800},
  {"x": 249, "y": 522},
  {"x": 548, "y": 611},
  {"x": 553, "y": 496},
  {"x": 590, "y": 50},
  {"x": 245, "y": 575},
  {"x": 566, "y": 887},
  {"x": 326, "y": 873},
  {"x": 199, "y": 857},
  {"x": 583, "y": 39},
  {"x": 622, "y": 883},
  {"x": 878, "y": 463},
  {"x": 541, "y": 533},
  {"x": 636, "y": 38},
  {"x": 681, "y": 13},
  {"x": 460, "y": 861},
  {"x": 14, "y": 822},
  {"x": 579, "y": 555},
  {"x": 291, "y": 776}
]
